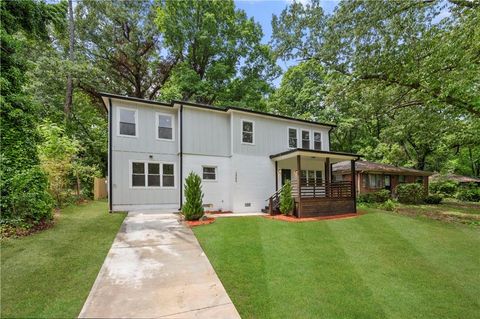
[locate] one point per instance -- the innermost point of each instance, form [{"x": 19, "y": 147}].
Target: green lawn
[
  {"x": 378, "y": 265},
  {"x": 49, "y": 274}
]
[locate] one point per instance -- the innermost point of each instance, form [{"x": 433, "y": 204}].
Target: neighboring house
[
  {"x": 372, "y": 177},
  {"x": 460, "y": 179},
  {"x": 243, "y": 157}
]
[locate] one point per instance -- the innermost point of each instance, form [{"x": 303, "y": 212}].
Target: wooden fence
[{"x": 99, "y": 188}]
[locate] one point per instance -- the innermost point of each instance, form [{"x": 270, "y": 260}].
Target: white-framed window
[
  {"x": 209, "y": 173},
  {"x": 375, "y": 180},
  {"x": 153, "y": 172},
  {"x": 168, "y": 175},
  {"x": 148, "y": 174},
  {"x": 317, "y": 141},
  {"x": 165, "y": 126},
  {"x": 138, "y": 174},
  {"x": 127, "y": 122},
  {"x": 292, "y": 137},
  {"x": 305, "y": 139},
  {"x": 311, "y": 176},
  {"x": 248, "y": 132}
]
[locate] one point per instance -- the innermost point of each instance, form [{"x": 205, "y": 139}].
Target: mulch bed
[
  {"x": 195, "y": 223},
  {"x": 14, "y": 232},
  {"x": 218, "y": 212},
  {"x": 294, "y": 219}
]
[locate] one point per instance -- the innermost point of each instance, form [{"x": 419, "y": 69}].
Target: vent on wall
[{"x": 248, "y": 204}]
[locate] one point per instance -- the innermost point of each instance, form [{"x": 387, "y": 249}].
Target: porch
[{"x": 314, "y": 191}]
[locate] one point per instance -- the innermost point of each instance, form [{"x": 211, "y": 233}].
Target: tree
[
  {"x": 286, "y": 200},
  {"x": 193, "y": 207},
  {"x": 22, "y": 21},
  {"x": 218, "y": 48}
]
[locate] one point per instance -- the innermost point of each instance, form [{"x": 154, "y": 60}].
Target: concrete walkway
[{"x": 157, "y": 269}]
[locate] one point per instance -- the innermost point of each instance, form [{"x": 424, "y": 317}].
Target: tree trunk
[{"x": 69, "y": 94}]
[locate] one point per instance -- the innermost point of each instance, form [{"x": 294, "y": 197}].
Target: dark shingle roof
[
  {"x": 455, "y": 178},
  {"x": 366, "y": 166}
]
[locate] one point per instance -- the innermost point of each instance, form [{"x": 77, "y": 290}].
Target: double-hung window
[
  {"x": 248, "y": 128},
  {"x": 292, "y": 138},
  {"x": 209, "y": 173},
  {"x": 152, "y": 174},
  {"x": 306, "y": 139},
  {"x": 127, "y": 122},
  {"x": 164, "y": 126},
  {"x": 168, "y": 175},
  {"x": 374, "y": 180},
  {"x": 317, "y": 141}
]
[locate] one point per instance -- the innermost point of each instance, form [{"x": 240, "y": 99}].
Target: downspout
[
  {"x": 110, "y": 179},
  {"x": 181, "y": 156}
]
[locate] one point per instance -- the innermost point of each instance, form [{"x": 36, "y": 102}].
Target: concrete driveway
[{"x": 157, "y": 269}]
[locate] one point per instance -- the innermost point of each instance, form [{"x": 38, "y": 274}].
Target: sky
[{"x": 262, "y": 11}]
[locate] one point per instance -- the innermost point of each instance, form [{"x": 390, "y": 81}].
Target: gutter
[{"x": 110, "y": 178}]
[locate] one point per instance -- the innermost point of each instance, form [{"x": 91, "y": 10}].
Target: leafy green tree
[
  {"x": 193, "y": 207},
  {"x": 218, "y": 48},
  {"x": 22, "y": 22},
  {"x": 286, "y": 200}
]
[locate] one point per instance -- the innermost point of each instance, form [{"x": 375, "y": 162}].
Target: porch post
[
  {"x": 327, "y": 177},
  {"x": 299, "y": 186},
  {"x": 276, "y": 176},
  {"x": 354, "y": 191}
]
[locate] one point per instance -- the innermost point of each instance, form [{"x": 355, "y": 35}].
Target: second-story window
[
  {"x": 247, "y": 132},
  {"x": 127, "y": 124},
  {"x": 317, "y": 141},
  {"x": 306, "y": 139},
  {"x": 292, "y": 138},
  {"x": 164, "y": 126}
]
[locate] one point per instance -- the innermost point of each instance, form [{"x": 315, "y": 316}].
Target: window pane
[
  {"x": 153, "y": 180},
  {"x": 138, "y": 168},
  {"x": 247, "y": 137},
  {"x": 165, "y": 132},
  {"x": 209, "y": 176},
  {"x": 127, "y": 129},
  {"x": 138, "y": 180},
  {"x": 318, "y": 175},
  {"x": 305, "y": 135},
  {"x": 292, "y": 138},
  {"x": 154, "y": 168},
  {"x": 247, "y": 127},
  {"x": 209, "y": 169},
  {"x": 306, "y": 144},
  {"x": 127, "y": 116},
  {"x": 168, "y": 181},
  {"x": 167, "y": 169},
  {"x": 165, "y": 121},
  {"x": 317, "y": 141}
]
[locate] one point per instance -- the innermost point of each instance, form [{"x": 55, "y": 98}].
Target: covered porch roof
[{"x": 302, "y": 152}]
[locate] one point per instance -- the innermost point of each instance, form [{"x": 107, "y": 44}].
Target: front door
[
  {"x": 286, "y": 175},
  {"x": 387, "y": 182}
]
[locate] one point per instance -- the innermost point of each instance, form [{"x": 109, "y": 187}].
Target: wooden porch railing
[
  {"x": 311, "y": 188},
  {"x": 274, "y": 202}
]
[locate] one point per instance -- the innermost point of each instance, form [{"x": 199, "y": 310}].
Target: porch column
[
  {"x": 354, "y": 192},
  {"x": 276, "y": 176},
  {"x": 299, "y": 185},
  {"x": 327, "y": 177}
]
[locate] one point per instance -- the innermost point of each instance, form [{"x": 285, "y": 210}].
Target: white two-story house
[{"x": 243, "y": 157}]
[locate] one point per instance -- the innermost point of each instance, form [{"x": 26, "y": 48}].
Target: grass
[
  {"x": 49, "y": 274},
  {"x": 378, "y": 265}
]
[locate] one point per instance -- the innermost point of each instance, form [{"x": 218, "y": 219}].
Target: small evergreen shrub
[
  {"x": 380, "y": 196},
  {"x": 193, "y": 207},
  {"x": 443, "y": 187},
  {"x": 433, "y": 199},
  {"x": 30, "y": 200},
  {"x": 389, "y": 205},
  {"x": 469, "y": 193},
  {"x": 412, "y": 193},
  {"x": 286, "y": 200}
]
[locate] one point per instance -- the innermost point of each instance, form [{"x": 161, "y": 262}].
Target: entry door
[{"x": 286, "y": 175}]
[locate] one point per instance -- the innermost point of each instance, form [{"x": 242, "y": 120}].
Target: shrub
[
  {"x": 389, "y": 205},
  {"x": 434, "y": 199},
  {"x": 375, "y": 197},
  {"x": 286, "y": 200},
  {"x": 193, "y": 207},
  {"x": 444, "y": 187},
  {"x": 410, "y": 193},
  {"x": 30, "y": 200},
  {"x": 469, "y": 194}
]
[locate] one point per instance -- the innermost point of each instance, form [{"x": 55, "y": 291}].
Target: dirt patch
[
  {"x": 7, "y": 231},
  {"x": 195, "y": 223},
  {"x": 293, "y": 219},
  {"x": 442, "y": 216}
]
